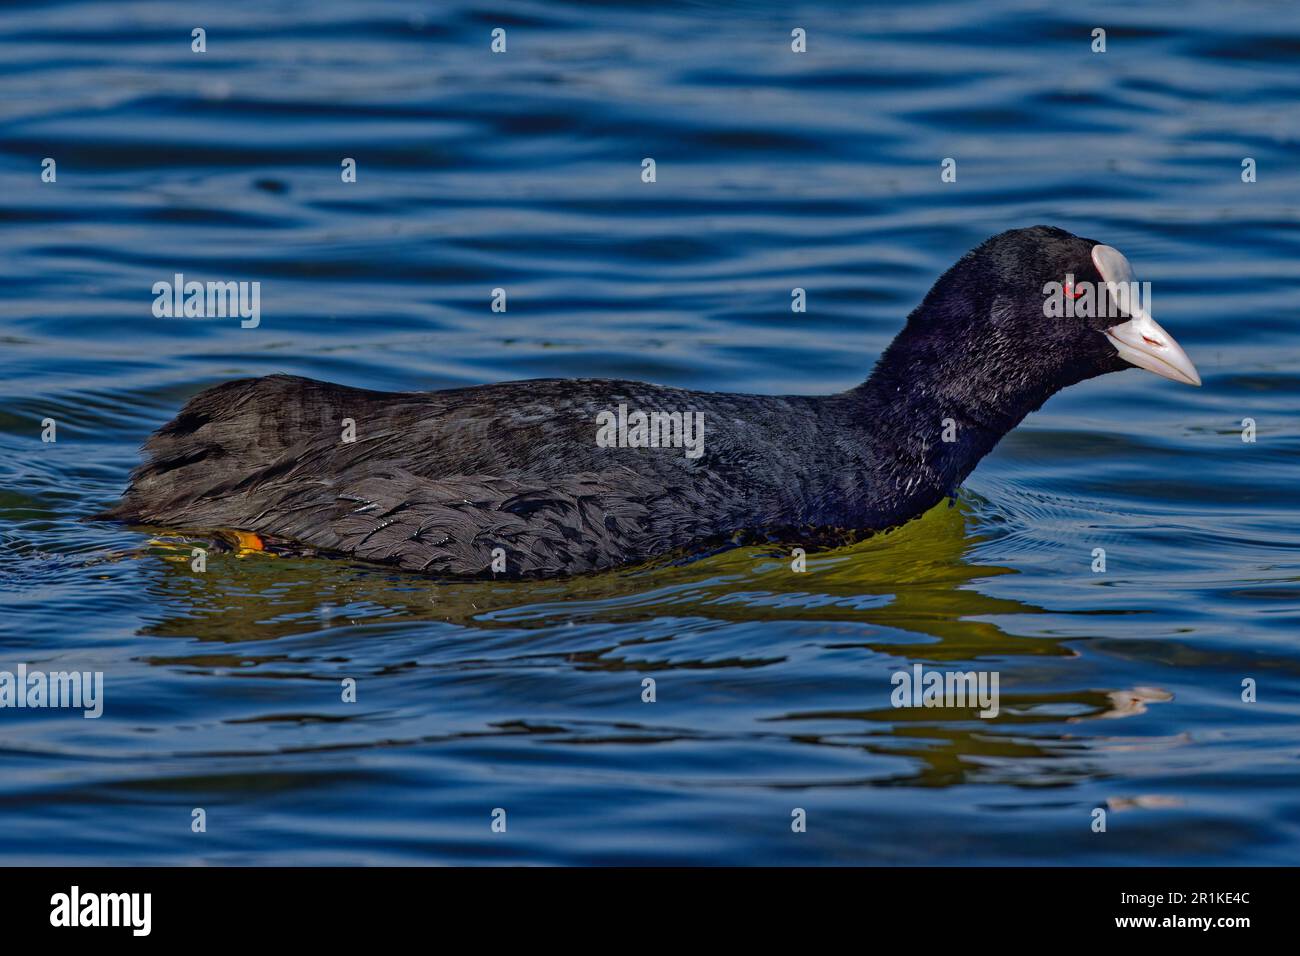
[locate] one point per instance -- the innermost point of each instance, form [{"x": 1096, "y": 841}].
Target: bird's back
[{"x": 438, "y": 481}]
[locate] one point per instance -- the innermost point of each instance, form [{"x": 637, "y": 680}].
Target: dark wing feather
[{"x": 434, "y": 481}]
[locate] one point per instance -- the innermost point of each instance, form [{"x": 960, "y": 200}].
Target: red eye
[{"x": 1071, "y": 292}]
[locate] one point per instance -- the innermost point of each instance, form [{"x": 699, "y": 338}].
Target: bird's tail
[{"x": 221, "y": 437}]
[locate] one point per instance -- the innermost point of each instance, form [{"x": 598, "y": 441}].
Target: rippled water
[{"x": 1120, "y": 690}]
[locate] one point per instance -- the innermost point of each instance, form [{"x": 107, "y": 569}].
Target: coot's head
[{"x": 1029, "y": 312}]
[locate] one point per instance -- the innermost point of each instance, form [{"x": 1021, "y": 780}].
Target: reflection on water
[
  {"x": 913, "y": 580},
  {"x": 907, "y": 593}
]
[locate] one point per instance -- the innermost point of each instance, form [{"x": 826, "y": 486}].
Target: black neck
[{"x": 928, "y": 423}]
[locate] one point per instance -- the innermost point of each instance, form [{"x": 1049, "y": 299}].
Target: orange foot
[{"x": 248, "y": 541}]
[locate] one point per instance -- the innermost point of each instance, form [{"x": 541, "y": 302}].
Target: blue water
[{"x": 1121, "y": 690}]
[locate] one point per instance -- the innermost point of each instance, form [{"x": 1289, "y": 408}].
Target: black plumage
[{"x": 434, "y": 481}]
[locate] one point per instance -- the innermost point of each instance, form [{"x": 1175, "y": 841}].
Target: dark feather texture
[{"x": 434, "y": 481}]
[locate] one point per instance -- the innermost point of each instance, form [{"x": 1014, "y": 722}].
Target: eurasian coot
[{"x": 560, "y": 476}]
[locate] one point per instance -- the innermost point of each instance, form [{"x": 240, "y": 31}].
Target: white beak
[{"x": 1141, "y": 341}]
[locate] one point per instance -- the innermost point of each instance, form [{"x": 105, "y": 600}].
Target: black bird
[{"x": 544, "y": 478}]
